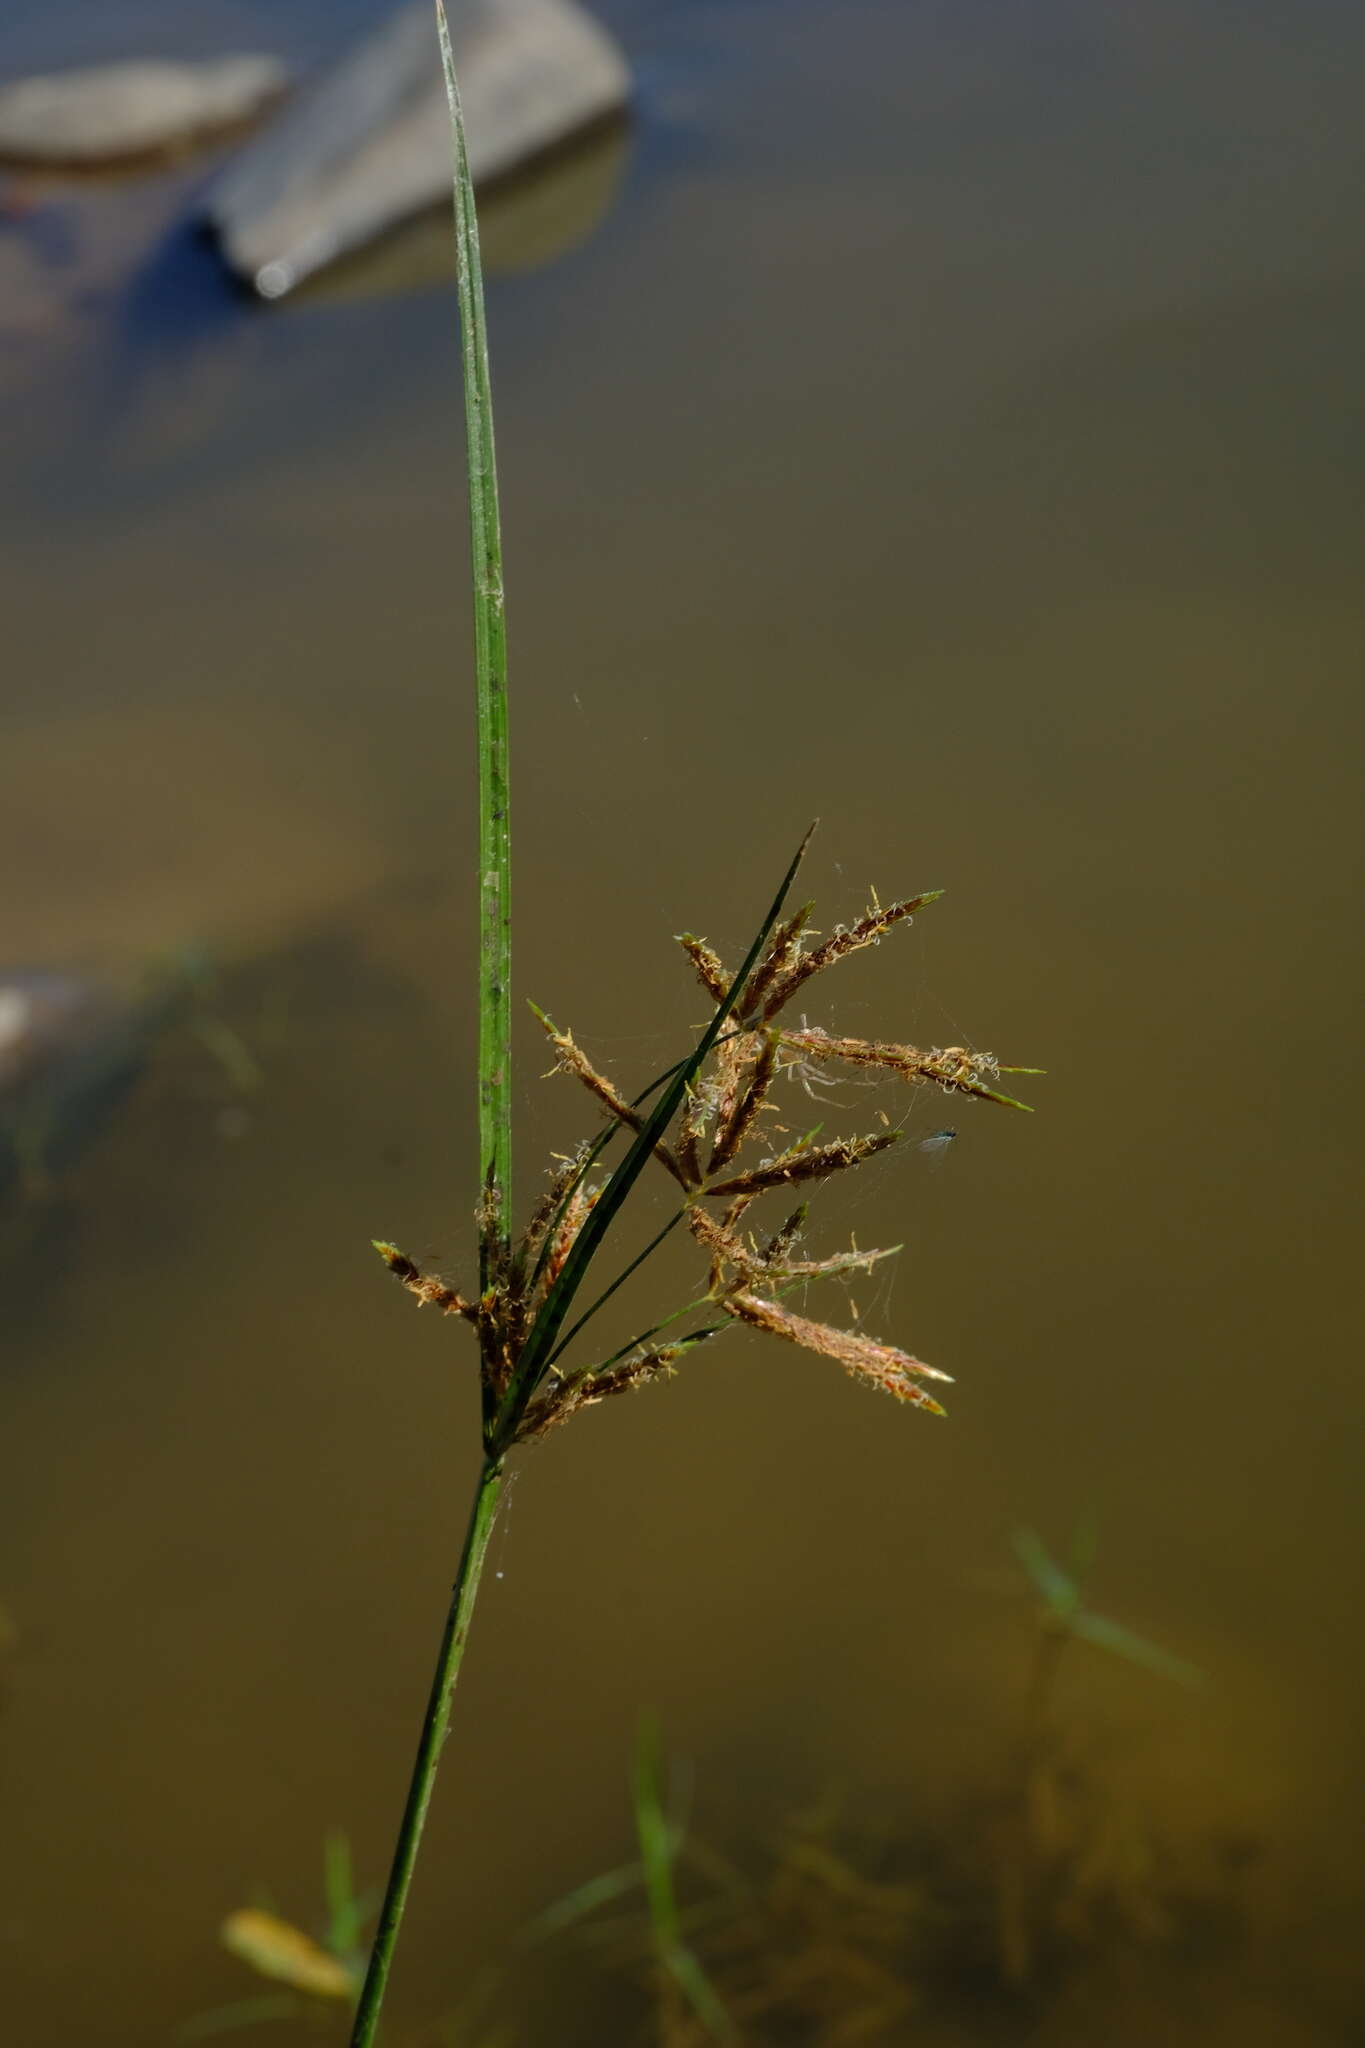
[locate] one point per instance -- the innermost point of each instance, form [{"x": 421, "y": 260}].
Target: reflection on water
[
  {"x": 953, "y": 430},
  {"x": 535, "y": 218}
]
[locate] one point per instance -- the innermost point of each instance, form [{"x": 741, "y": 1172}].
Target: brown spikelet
[
  {"x": 723, "y": 1244},
  {"x": 895, "y": 1372},
  {"x": 953, "y": 1067},
  {"x": 689, "y": 1156},
  {"x": 710, "y": 972},
  {"x": 786, "y": 1235},
  {"x": 848, "y": 939},
  {"x": 732, "y": 1058},
  {"x": 806, "y": 1162},
  {"x": 546, "y": 1209},
  {"x": 728, "y": 1226},
  {"x": 746, "y": 1104},
  {"x": 577, "y": 1210},
  {"x": 493, "y": 1238},
  {"x": 698, "y": 1110},
  {"x": 573, "y": 1060},
  {"x": 783, "y": 950},
  {"x": 430, "y": 1292},
  {"x": 853, "y": 1261},
  {"x": 564, "y": 1398},
  {"x": 751, "y": 1263}
]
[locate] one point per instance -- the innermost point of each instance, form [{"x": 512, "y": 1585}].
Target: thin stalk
[
  {"x": 434, "y": 1725},
  {"x": 637, "y": 1343},
  {"x": 490, "y": 675},
  {"x": 495, "y": 1014}
]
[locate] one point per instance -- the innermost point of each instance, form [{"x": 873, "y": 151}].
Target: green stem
[
  {"x": 490, "y": 665},
  {"x": 434, "y": 1725},
  {"x": 495, "y": 1013}
]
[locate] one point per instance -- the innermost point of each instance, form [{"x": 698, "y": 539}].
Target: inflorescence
[{"x": 721, "y": 1120}]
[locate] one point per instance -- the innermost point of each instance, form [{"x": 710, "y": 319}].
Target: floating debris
[{"x": 277, "y": 1950}]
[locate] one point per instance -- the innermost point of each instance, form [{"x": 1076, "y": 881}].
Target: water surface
[{"x": 953, "y": 429}]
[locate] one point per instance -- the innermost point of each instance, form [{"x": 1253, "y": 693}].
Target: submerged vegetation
[
  {"x": 1028, "y": 1893},
  {"x": 1041, "y": 1880}
]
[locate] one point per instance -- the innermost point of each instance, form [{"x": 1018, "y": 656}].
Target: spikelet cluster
[{"x": 720, "y": 1154}]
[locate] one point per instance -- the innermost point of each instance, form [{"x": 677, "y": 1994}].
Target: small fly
[{"x": 938, "y": 1144}]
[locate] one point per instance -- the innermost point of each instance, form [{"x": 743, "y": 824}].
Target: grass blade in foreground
[
  {"x": 495, "y": 1009},
  {"x": 490, "y": 660}
]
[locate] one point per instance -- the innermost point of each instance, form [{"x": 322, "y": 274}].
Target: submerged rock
[
  {"x": 44, "y": 1018},
  {"x": 526, "y": 220},
  {"x": 369, "y": 147},
  {"x": 116, "y": 113},
  {"x": 68, "y": 1049}
]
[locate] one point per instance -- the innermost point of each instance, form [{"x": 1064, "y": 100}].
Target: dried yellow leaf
[{"x": 285, "y": 1954}]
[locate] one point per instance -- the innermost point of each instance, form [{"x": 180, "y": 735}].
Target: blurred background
[{"x": 944, "y": 420}]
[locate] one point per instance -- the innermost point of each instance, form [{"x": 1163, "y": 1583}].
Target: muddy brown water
[{"x": 951, "y": 428}]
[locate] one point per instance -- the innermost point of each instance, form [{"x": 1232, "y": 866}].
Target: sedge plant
[{"x": 700, "y": 1123}]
